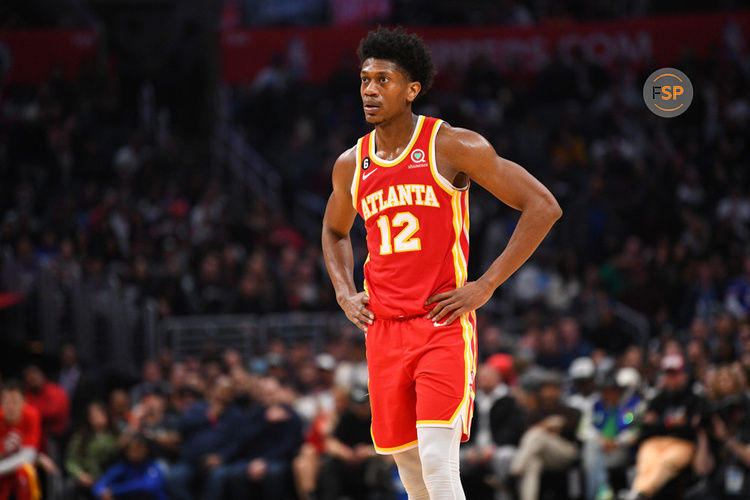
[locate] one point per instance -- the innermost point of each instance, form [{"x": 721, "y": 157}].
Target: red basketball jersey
[{"x": 417, "y": 225}]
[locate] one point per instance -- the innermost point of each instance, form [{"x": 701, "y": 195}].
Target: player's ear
[{"x": 412, "y": 90}]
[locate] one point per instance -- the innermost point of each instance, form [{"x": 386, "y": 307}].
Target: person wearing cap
[
  {"x": 668, "y": 430},
  {"x": 614, "y": 418},
  {"x": 583, "y": 392},
  {"x": 549, "y": 442}
]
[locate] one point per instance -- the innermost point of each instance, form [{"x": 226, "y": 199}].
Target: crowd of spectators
[
  {"x": 98, "y": 191},
  {"x": 671, "y": 422}
]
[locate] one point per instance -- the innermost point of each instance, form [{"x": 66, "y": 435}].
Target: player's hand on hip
[
  {"x": 355, "y": 308},
  {"x": 454, "y": 303}
]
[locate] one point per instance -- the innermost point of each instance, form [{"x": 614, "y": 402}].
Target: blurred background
[{"x": 164, "y": 167}]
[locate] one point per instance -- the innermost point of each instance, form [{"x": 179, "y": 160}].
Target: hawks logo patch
[{"x": 366, "y": 163}]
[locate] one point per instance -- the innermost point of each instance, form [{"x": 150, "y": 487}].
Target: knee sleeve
[{"x": 439, "y": 453}]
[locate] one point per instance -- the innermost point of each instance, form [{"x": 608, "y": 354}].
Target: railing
[
  {"x": 109, "y": 327},
  {"x": 248, "y": 334},
  {"x": 115, "y": 331}
]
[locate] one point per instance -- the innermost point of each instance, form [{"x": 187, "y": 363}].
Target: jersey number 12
[{"x": 403, "y": 242}]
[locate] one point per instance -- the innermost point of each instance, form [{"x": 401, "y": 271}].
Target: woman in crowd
[{"x": 90, "y": 450}]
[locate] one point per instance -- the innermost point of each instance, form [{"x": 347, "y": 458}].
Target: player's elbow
[
  {"x": 556, "y": 210},
  {"x": 551, "y": 208}
]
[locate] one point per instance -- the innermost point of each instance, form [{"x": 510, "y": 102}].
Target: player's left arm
[{"x": 463, "y": 151}]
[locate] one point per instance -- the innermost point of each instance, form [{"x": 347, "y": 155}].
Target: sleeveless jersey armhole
[
  {"x": 355, "y": 177},
  {"x": 439, "y": 178}
]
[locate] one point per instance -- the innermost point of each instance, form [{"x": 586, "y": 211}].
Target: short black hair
[
  {"x": 407, "y": 50},
  {"x": 12, "y": 385}
]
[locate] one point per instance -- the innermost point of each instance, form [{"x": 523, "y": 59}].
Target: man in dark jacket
[
  {"x": 496, "y": 429},
  {"x": 549, "y": 442},
  {"x": 208, "y": 433},
  {"x": 351, "y": 466},
  {"x": 258, "y": 464}
]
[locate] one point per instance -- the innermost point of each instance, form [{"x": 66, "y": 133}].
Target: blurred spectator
[
  {"x": 70, "y": 371},
  {"x": 352, "y": 371},
  {"x": 496, "y": 430},
  {"x": 208, "y": 438},
  {"x": 152, "y": 381},
  {"x": 120, "y": 414},
  {"x": 572, "y": 345},
  {"x": 80, "y": 386},
  {"x": 549, "y": 441},
  {"x": 319, "y": 395},
  {"x": 89, "y": 451},
  {"x": 20, "y": 435},
  {"x": 152, "y": 418},
  {"x": 668, "y": 430},
  {"x": 259, "y": 466},
  {"x": 50, "y": 400},
  {"x": 729, "y": 430},
  {"x": 138, "y": 476},
  {"x": 308, "y": 462},
  {"x": 583, "y": 388},
  {"x": 607, "y": 449},
  {"x": 352, "y": 467}
]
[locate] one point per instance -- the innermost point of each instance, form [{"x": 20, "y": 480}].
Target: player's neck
[{"x": 393, "y": 136}]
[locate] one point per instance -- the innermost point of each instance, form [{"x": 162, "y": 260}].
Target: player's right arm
[{"x": 337, "y": 245}]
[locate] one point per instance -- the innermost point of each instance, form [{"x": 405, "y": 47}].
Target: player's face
[{"x": 385, "y": 89}]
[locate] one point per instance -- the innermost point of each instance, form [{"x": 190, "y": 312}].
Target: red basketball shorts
[{"x": 421, "y": 375}]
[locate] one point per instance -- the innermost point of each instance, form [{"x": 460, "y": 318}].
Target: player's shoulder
[
  {"x": 348, "y": 157},
  {"x": 346, "y": 160},
  {"x": 459, "y": 141},
  {"x": 344, "y": 166},
  {"x": 457, "y": 137}
]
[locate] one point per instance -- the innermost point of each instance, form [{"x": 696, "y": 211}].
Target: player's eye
[
  {"x": 383, "y": 79},
  {"x": 364, "y": 79}
]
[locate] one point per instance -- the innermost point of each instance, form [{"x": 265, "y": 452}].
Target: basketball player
[{"x": 408, "y": 179}]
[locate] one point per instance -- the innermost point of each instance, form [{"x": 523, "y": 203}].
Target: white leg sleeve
[
  {"x": 438, "y": 450},
  {"x": 410, "y": 471}
]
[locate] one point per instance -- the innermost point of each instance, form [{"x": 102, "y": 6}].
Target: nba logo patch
[{"x": 366, "y": 163}]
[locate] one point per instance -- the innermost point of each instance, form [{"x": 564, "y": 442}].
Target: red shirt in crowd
[{"x": 53, "y": 405}]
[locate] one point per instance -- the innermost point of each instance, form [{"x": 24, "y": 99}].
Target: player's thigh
[
  {"x": 391, "y": 388},
  {"x": 444, "y": 374}
]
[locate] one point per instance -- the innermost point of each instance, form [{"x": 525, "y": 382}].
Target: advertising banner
[
  {"x": 28, "y": 56},
  {"x": 316, "y": 53}
]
